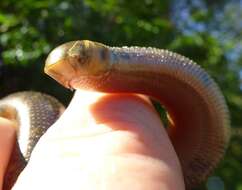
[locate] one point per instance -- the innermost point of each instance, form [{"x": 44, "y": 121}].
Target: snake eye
[
  {"x": 77, "y": 49},
  {"x": 80, "y": 54}
]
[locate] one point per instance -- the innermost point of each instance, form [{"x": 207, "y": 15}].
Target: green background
[{"x": 209, "y": 32}]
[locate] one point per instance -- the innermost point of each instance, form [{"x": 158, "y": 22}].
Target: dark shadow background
[{"x": 209, "y": 32}]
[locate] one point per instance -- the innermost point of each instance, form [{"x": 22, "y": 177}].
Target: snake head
[{"x": 76, "y": 59}]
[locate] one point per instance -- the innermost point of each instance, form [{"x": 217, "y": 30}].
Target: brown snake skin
[{"x": 199, "y": 118}]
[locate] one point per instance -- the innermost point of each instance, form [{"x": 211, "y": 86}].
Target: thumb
[
  {"x": 7, "y": 139},
  {"x": 104, "y": 142}
]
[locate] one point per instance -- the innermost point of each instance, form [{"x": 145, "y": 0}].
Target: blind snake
[{"x": 199, "y": 126}]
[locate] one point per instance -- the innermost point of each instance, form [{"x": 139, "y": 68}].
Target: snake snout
[
  {"x": 59, "y": 66},
  {"x": 59, "y": 53}
]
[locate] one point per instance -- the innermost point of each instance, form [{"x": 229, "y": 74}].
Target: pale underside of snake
[{"x": 199, "y": 124}]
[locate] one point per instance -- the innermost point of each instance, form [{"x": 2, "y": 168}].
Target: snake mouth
[{"x": 56, "y": 72}]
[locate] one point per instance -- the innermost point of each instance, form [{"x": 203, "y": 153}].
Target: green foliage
[{"x": 208, "y": 32}]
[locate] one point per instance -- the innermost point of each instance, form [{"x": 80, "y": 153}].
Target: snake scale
[{"x": 199, "y": 118}]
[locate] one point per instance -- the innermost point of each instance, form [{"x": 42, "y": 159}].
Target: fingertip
[{"x": 7, "y": 136}]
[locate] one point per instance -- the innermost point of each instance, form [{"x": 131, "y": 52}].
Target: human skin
[
  {"x": 102, "y": 141},
  {"x": 7, "y": 137}
]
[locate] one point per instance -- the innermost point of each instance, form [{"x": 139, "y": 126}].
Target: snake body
[
  {"x": 199, "y": 118},
  {"x": 34, "y": 113}
]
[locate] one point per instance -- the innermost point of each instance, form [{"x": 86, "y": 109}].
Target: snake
[{"x": 198, "y": 116}]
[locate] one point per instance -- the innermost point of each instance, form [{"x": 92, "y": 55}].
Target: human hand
[{"x": 102, "y": 141}]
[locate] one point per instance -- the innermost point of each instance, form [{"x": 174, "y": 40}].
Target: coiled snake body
[{"x": 199, "y": 124}]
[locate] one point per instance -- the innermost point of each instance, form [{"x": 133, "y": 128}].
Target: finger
[
  {"x": 7, "y": 138},
  {"x": 104, "y": 141}
]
